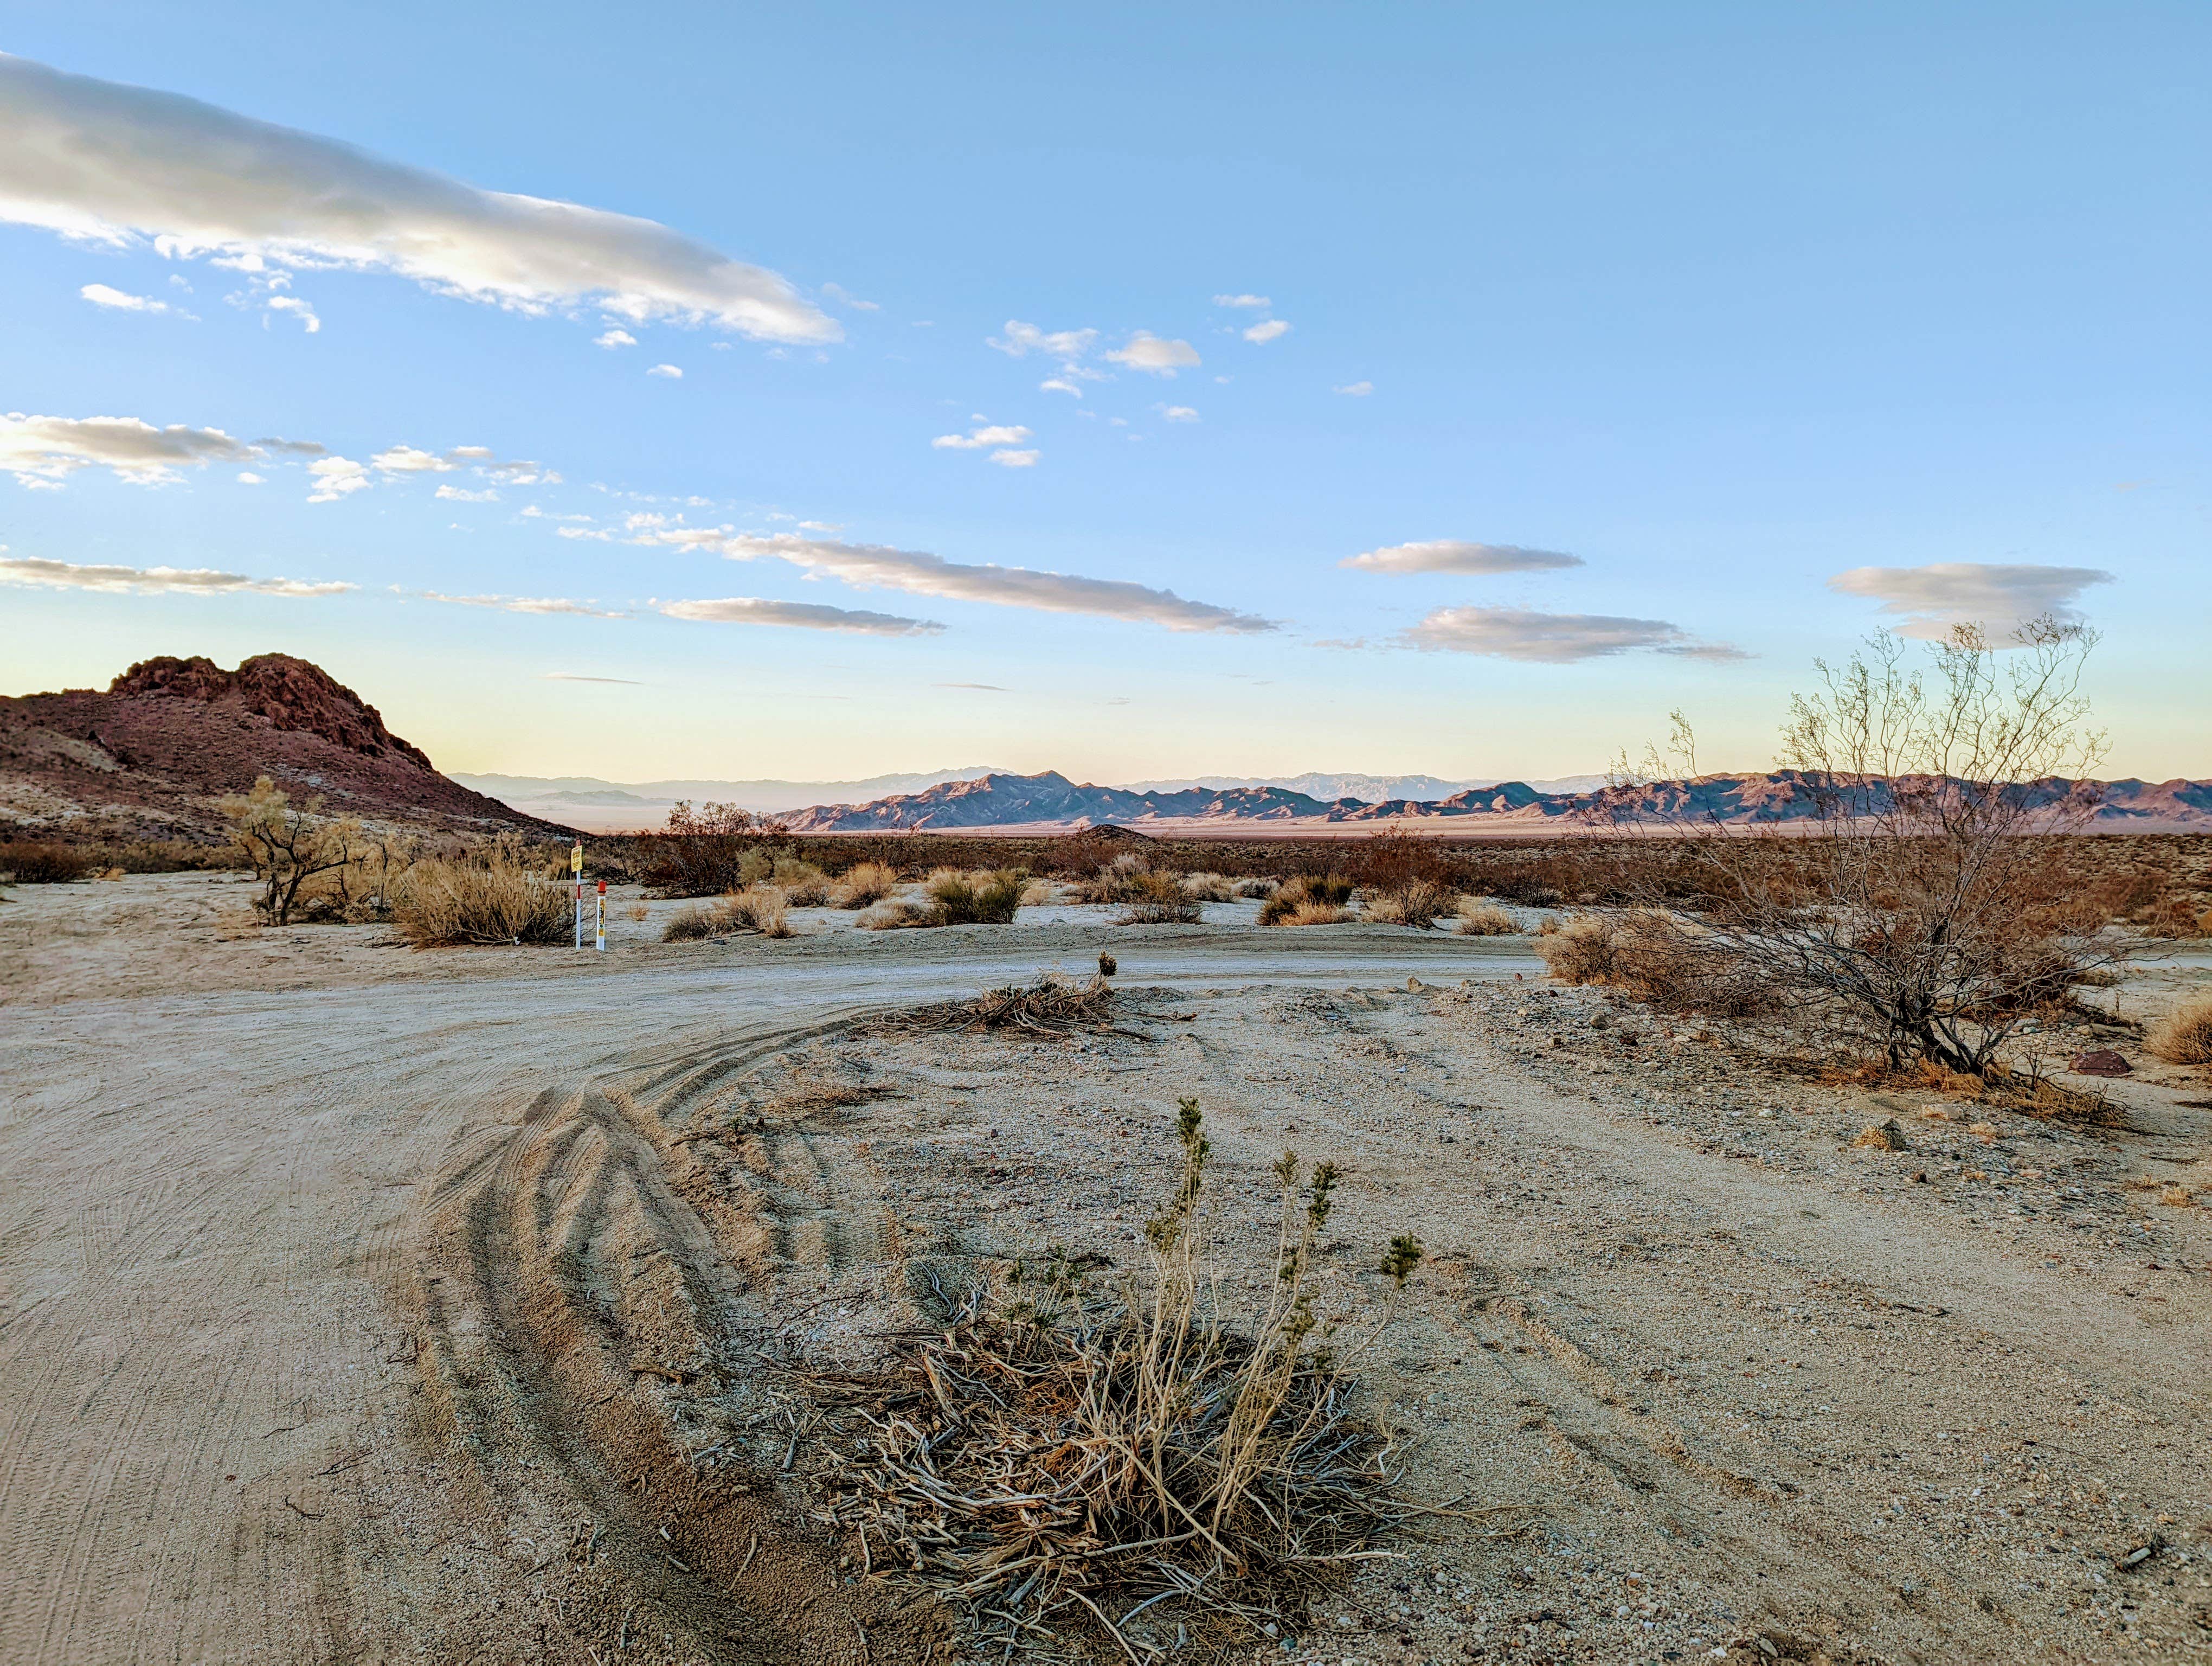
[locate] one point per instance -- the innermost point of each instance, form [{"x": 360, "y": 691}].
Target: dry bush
[
  {"x": 1478, "y": 919},
  {"x": 1314, "y": 912},
  {"x": 2184, "y": 1036},
  {"x": 700, "y": 852},
  {"x": 1303, "y": 894},
  {"x": 1256, "y": 890},
  {"x": 763, "y": 909},
  {"x": 2173, "y": 915},
  {"x": 288, "y": 845},
  {"x": 975, "y": 899},
  {"x": 38, "y": 862},
  {"x": 1157, "y": 899},
  {"x": 689, "y": 925},
  {"x": 1053, "y": 1002},
  {"x": 1207, "y": 888},
  {"x": 1651, "y": 957},
  {"x": 638, "y": 913},
  {"x": 1417, "y": 902},
  {"x": 494, "y": 900},
  {"x": 865, "y": 883},
  {"x": 898, "y": 914},
  {"x": 1040, "y": 893},
  {"x": 1039, "y": 1455},
  {"x": 1129, "y": 877}
]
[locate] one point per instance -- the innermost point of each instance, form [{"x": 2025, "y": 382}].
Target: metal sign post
[
  {"x": 576, "y": 871},
  {"x": 602, "y": 917}
]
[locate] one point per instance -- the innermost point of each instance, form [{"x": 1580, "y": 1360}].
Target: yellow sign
[{"x": 576, "y": 859}]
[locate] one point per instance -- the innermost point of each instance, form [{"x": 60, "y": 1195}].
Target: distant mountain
[
  {"x": 1373, "y": 789},
  {"x": 611, "y": 806},
  {"x": 151, "y": 755},
  {"x": 1053, "y": 800}
]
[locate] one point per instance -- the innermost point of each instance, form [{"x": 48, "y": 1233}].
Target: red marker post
[{"x": 602, "y": 917}]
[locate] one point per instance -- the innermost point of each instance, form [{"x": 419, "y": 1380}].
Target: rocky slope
[{"x": 150, "y": 757}]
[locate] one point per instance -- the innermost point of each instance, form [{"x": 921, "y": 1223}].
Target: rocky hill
[
  {"x": 150, "y": 757},
  {"x": 1780, "y": 796}
]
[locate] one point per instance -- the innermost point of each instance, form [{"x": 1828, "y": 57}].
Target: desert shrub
[
  {"x": 1062, "y": 1448},
  {"x": 899, "y": 913},
  {"x": 1303, "y": 892},
  {"x": 2184, "y": 1036},
  {"x": 763, "y": 909},
  {"x": 288, "y": 845},
  {"x": 1159, "y": 899},
  {"x": 982, "y": 898},
  {"x": 1417, "y": 902},
  {"x": 1120, "y": 881},
  {"x": 865, "y": 883},
  {"x": 38, "y": 862},
  {"x": 1039, "y": 893},
  {"x": 2171, "y": 915},
  {"x": 1207, "y": 888},
  {"x": 1656, "y": 959},
  {"x": 1257, "y": 889},
  {"x": 803, "y": 883},
  {"x": 703, "y": 852},
  {"x": 494, "y": 900},
  {"x": 638, "y": 913},
  {"x": 1480, "y": 918},
  {"x": 689, "y": 925}
]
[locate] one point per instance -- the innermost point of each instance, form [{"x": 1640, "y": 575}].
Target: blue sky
[{"x": 1780, "y": 322}]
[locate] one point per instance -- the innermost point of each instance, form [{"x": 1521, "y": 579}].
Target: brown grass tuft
[
  {"x": 35, "y": 862},
  {"x": 1159, "y": 899},
  {"x": 2184, "y": 1037},
  {"x": 1417, "y": 902},
  {"x": 1302, "y": 899},
  {"x": 865, "y": 883},
  {"x": 500, "y": 900},
  {"x": 975, "y": 899},
  {"x": 763, "y": 909},
  {"x": 1477, "y": 918},
  {"x": 689, "y": 925}
]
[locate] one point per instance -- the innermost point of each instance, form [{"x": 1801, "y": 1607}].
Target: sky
[{"x": 1135, "y": 392}]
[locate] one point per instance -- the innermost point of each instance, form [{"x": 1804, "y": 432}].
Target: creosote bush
[
  {"x": 1415, "y": 903},
  {"x": 1479, "y": 919},
  {"x": 495, "y": 899},
  {"x": 36, "y": 862},
  {"x": 694, "y": 924},
  {"x": 974, "y": 899},
  {"x": 2184, "y": 1036},
  {"x": 1159, "y": 899},
  {"x": 1307, "y": 899},
  {"x": 1067, "y": 1449}
]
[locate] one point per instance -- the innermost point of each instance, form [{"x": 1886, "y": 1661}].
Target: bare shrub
[
  {"x": 975, "y": 899},
  {"x": 287, "y": 844},
  {"x": 763, "y": 909},
  {"x": 689, "y": 925},
  {"x": 494, "y": 900},
  {"x": 1039, "y": 893},
  {"x": 1126, "y": 878},
  {"x": 1416, "y": 903},
  {"x": 37, "y": 862},
  {"x": 638, "y": 913},
  {"x": 1053, "y": 1003},
  {"x": 898, "y": 914},
  {"x": 1479, "y": 919},
  {"x": 1062, "y": 1447},
  {"x": 1910, "y": 914},
  {"x": 865, "y": 883},
  {"x": 1651, "y": 957},
  {"x": 701, "y": 852},
  {"x": 1156, "y": 899},
  {"x": 1256, "y": 889},
  {"x": 2184, "y": 1036},
  {"x": 1306, "y": 893},
  {"x": 1207, "y": 888}
]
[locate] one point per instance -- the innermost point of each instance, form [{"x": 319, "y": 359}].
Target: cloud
[
  {"x": 1267, "y": 330},
  {"x": 578, "y": 676},
  {"x": 612, "y": 338},
  {"x": 463, "y": 494},
  {"x": 1355, "y": 390},
  {"x": 247, "y": 477},
  {"x": 409, "y": 459},
  {"x": 1178, "y": 413},
  {"x": 1015, "y": 459},
  {"x": 527, "y": 605},
  {"x": 1260, "y": 303},
  {"x": 1998, "y": 596},
  {"x": 154, "y": 581},
  {"x": 1155, "y": 355},
  {"x": 299, "y": 308},
  {"x": 96, "y": 159},
  {"x": 845, "y": 297},
  {"x": 984, "y": 688},
  {"x": 806, "y": 615},
  {"x": 874, "y": 566},
  {"x": 672, "y": 371},
  {"x": 981, "y": 439},
  {"x": 43, "y": 451},
  {"x": 1557, "y": 639},
  {"x": 1451, "y": 556},
  {"x": 1022, "y": 339},
  {"x": 100, "y": 295},
  {"x": 1059, "y": 385},
  {"x": 335, "y": 478}
]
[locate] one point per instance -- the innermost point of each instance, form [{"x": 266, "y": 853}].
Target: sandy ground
[{"x": 358, "y": 1305}]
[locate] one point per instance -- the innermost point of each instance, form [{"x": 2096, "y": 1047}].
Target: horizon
[{"x": 1455, "y": 393}]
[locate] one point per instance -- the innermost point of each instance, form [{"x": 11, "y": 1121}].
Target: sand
[{"x": 363, "y": 1305}]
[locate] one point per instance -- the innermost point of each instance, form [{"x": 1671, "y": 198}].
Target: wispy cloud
[
  {"x": 1452, "y": 555},
  {"x": 1178, "y": 413},
  {"x": 1513, "y": 633},
  {"x": 463, "y": 494},
  {"x": 578, "y": 676},
  {"x": 154, "y": 581},
  {"x": 1267, "y": 330},
  {"x": 845, "y": 297},
  {"x": 412, "y": 459},
  {"x": 2000, "y": 597},
  {"x": 1355, "y": 390},
  {"x": 673, "y": 373},
  {"x": 982, "y": 688},
  {"x": 99, "y": 161},
  {"x": 875, "y": 566},
  {"x": 43, "y": 451},
  {"x": 981, "y": 439},
  {"x": 1023, "y": 340},
  {"x": 804, "y": 615},
  {"x": 334, "y": 478},
  {"x": 100, "y": 295},
  {"x": 612, "y": 338},
  {"x": 529, "y": 605},
  {"x": 1059, "y": 385},
  {"x": 296, "y": 308},
  {"x": 1260, "y": 302},
  {"x": 1156, "y": 356},
  {"x": 1016, "y": 459}
]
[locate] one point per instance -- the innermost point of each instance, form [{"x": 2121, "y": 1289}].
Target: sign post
[
  {"x": 576, "y": 871},
  {"x": 602, "y": 917}
]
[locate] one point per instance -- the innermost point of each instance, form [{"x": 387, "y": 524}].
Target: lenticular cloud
[{"x": 96, "y": 160}]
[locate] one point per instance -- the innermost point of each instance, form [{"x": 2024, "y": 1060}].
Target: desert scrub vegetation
[
  {"x": 1476, "y": 918},
  {"x": 1256, "y": 889},
  {"x": 762, "y": 909},
  {"x": 496, "y": 896},
  {"x": 288, "y": 845},
  {"x": 1307, "y": 899},
  {"x": 1159, "y": 899},
  {"x": 865, "y": 883},
  {"x": 2183, "y": 1037},
  {"x": 1067, "y": 1450},
  {"x": 39, "y": 862},
  {"x": 705, "y": 852},
  {"x": 981, "y": 898},
  {"x": 1417, "y": 902},
  {"x": 1208, "y": 888}
]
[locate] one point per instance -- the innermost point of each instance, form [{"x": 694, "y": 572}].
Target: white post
[
  {"x": 576, "y": 870},
  {"x": 602, "y": 917}
]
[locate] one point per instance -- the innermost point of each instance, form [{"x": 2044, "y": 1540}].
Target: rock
[
  {"x": 1108, "y": 966},
  {"x": 2100, "y": 1061},
  {"x": 1413, "y": 986},
  {"x": 1882, "y": 1136}
]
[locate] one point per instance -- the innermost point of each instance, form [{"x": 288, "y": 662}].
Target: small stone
[
  {"x": 1882, "y": 1136},
  {"x": 1413, "y": 986},
  {"x": 2100, "y": 1061}
]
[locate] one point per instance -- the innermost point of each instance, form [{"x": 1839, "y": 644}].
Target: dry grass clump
[
  {"x": 38, "y": 862},
  {"x": 689, "y": 925},
  {"x": 1650, "y": 958},
  {"x": 982, "y": 898},
  {"x": 1208, "y": 888},
  {"x": 1157, "y": 899},
  {"x": 1067, "y": 1454},
  {"x": 497, "y": 900},
  {"x": 1308, "y": 900},
  {"x": 2184, "y": 1036},
  {"x": 1480, "y": 918},
  {"x": 1040, "y": 893},
  {"x": 865, "y": 883},
  {"x": 898, "y": 914},
  {"x": 1052, "y": 1003},
  {"x": 1417, "y": 903},
  {"x": 1255, "y": 889},
  {"x": 763, "y": 909}
]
